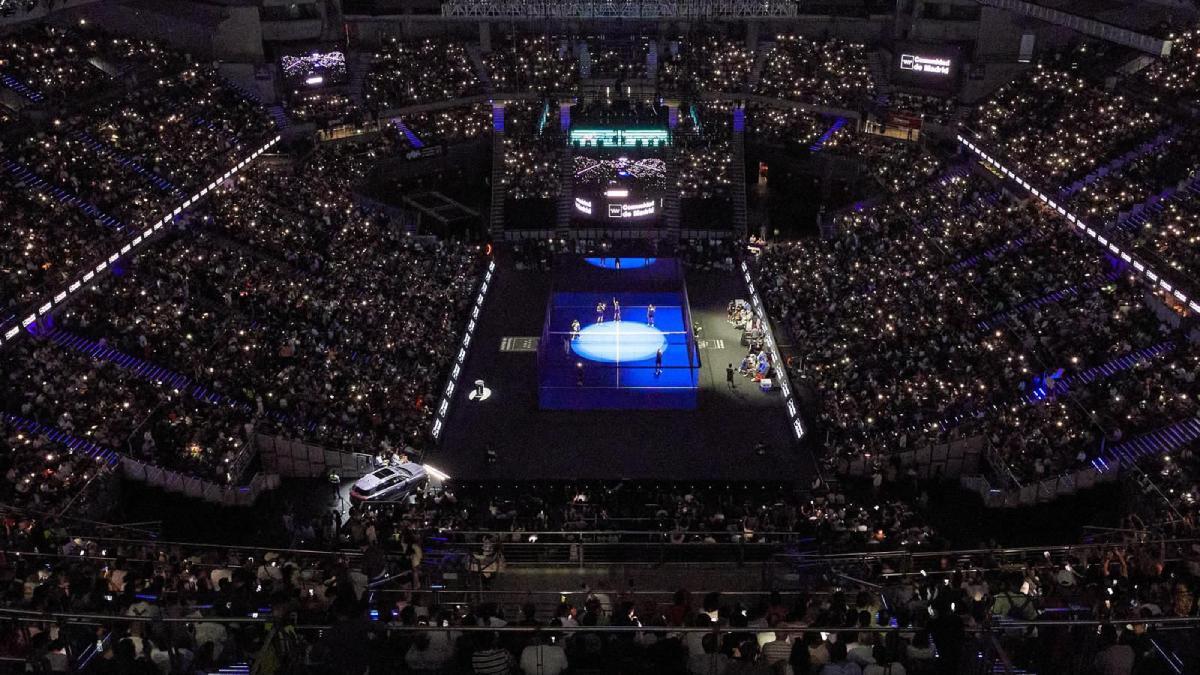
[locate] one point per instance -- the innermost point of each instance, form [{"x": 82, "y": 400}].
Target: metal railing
[
  {"x": 983, "y": 650},
  {"x": 575, "y": 548}
]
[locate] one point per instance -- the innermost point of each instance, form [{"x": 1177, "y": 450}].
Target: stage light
[
  {"x": 619, "y": 341},
  {"x": 439, "y": 475}
]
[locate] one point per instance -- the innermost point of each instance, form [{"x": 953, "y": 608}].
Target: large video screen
[
  {"x": 618, "y": 188},
  {"x": 926, "y": 65},
  {"x": 649, "y": 173},
  {"x": 314, "y": 69}
]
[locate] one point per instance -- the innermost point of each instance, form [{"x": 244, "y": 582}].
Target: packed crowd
[
  {"x": 450, "y": 126},
  {"x": 266, "y": 305},
  {"x": 323, "y": 108},
  {"x": 93, "y": 176},
  {"x": 61, "y": 65},
  {"x": 409, "y": 72},
  {"x": 896, "y": 166},
  {"x": 705, "y": 62},
  {"x": 790, "y": 127},
  {"x": 828, "y": 72},
  {"x": 190, "y": 607},
  {"x": 835, "y": 520},
  {"x": 1151, "y": 201},
  {"x": 1090, "y": 124},
  {"x": 934, "y": 109},
  {"x": 314, "y": 301},
  {"x": 961, "y": 313},
  {"x": 541, "y": 63},
  {"x": 47, "y": 477},
  {"x": 184, "y": 131},
  {"x": 704, "y": 152},
  {"x": 531, "y": 152},
  {"x": 1177, "y": 77},
  {"x": 618, "y": 59},
  {"x": 114, "y": 409},
  {"x": 957, "y": 280},
  {"x": 1131, "y": 171},
  {"x": 45, "y": 244}
]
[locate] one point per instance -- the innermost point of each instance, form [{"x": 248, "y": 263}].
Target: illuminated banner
[
  {"x": 631, "y": 210},
  {"x": 620, "y": 138},
  {"x": 930, "y": 66},
  {"x": 315, "y": 68},
  {"x": 925, "y": 64}
]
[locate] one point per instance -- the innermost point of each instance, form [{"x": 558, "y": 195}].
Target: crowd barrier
[
  {"x": 986, "y": 648},
  {"x": 190, "y": 486},
  {"x": 947, "y": 460},
  {"x": 1042, "y": 491},
  {"x": 297, "y": 459},
  {"x": 567, "y": 549},
  {"x": 385, "y": 116}
]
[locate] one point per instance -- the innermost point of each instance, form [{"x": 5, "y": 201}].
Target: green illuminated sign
[{"x": 620, "y": 138}]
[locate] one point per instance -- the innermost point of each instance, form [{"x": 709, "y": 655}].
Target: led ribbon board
[
  {"x": 925, "y": 64},
  {"x": 1148, "y": 275},
  {"x": 621, "y": 138},
  {"x": 793, "y": 409},
  {"x": 443, "y": 409},
  {"x": 132, "y": 246}
]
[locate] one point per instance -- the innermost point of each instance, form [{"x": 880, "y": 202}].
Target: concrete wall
[
  {"x": 239, "y": 37},
  {"x": 296, "y": 29},
  {"x": 41, "y": 11},
  {"x": 370, "y": 30},
  {"x": 253, "y": 77},
  {"x": 207, "y": 32}
]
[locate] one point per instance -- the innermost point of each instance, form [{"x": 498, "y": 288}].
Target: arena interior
[{"x": 779, "y": 337}]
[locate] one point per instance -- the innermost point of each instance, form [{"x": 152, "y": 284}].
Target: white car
[{"x": 389, "y": 484}]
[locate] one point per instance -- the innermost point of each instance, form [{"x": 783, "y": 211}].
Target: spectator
[
  {"x": 838, "y": 664},
  {"x": 543, "y": 657}
]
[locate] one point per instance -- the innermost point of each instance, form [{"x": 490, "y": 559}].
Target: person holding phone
[{"x": 545, "y": 656}]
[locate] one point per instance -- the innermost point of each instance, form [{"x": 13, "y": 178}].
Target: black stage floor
[{"x": 714, "y": 442}]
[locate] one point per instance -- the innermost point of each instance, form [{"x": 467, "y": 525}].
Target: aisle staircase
[
  {"x": 21, "y": 88},
  {"x": 32, "y": 181},
  {"x": 496, "y": 211},
  {"x": 833, "y": 129},
  {"x": 233, "y": 138},
  {"x": 879, "y": 75},
  {"x": 740, "y": 223},
  {"x": 1004, "y": 316},
  {"x": 1127, "y": 361},
  {"x": 566, "y": 192},
  {"x": 477, "y": 64},
  {"x": 760, "y": 59},
  {"x": 282, "y": 121},
  {"x": 989, "y": 254},
  {"x": 360, "y": 65},
  {"x": 107, "y": 151},
  {"x": 72, "y": 442},
  {"x": 161, "y": 375},
  {"x": 1119, "y": 163},
  {"x": 671, "y": 197},
  {"x": 1142, "y": 213},
  {"x": 1120, "y": 363},
  {"x": 1165, "y": 440},
  {"x": 409, "y": 135},
  {"x": 245, "y": 93}
]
